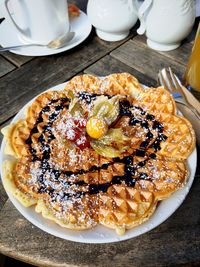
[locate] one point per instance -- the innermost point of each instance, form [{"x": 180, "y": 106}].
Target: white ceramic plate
[
  {"x": 9, "y": 37},
  {"x": 101, "y": 234}
]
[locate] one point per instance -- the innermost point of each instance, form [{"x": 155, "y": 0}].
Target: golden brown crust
[
  {"x": 156, "y": 100},
  {"x": 120, "y": 207}
]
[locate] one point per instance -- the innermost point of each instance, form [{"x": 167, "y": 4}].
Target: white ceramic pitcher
[
  {"x": 166, "y": 22},
  {"x": 112, "y": 18},
  {"x": 38, "y": 21}
]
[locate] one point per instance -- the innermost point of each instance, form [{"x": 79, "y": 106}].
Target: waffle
[
  {"x": 16, "y": 134},
  {"x": 156, "y": 100},
  {"x": 180, "y": 138},
  {"x": 25, "y": 199},
  {"x": 90, "y": 84},
  {"x": 121, "y": 83},
  {"x": 75, "y": 185}
]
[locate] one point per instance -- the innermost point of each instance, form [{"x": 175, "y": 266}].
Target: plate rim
[{"x": 111, "y": 235}]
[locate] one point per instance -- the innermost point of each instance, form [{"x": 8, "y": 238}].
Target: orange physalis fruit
[{"x": 96, "y": 127}]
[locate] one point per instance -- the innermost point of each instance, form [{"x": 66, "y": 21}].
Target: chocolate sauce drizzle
[{"x": 131, "y": 174}]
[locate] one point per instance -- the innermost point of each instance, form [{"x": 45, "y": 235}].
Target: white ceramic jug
[
  {"x": 166, "y": 22},
  {"x": 38, "y": 20},
  {"x": 112, "y": 18}
]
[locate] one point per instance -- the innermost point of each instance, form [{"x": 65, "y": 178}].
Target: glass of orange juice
[{"x": 192, "y": 73}]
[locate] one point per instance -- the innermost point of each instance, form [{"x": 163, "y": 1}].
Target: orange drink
[{"x": 192, "y": 73}]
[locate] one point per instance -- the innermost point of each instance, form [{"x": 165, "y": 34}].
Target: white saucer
[{"x": 8, "y": 37}]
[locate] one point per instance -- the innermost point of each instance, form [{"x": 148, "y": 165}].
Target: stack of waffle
[{"x": 79, "y": 188}]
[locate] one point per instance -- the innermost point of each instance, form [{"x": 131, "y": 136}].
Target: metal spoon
[{"x": 54, "y": 44}]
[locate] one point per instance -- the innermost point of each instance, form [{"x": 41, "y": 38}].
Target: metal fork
[{"x": 170, "y": 81}]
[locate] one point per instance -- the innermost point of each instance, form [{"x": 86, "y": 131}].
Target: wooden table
[{"x": 174, "y": 242}]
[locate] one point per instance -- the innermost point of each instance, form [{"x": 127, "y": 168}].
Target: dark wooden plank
[
  {"x": 5, "y": 66},
  {"x": 145, "y": 60},
  {"x": 44, "y": 72},
  {"x": 109, "y": 64},
  {"x": 180, "y": 55},
  {"x": 15, "y": 59},
  {"x": 3, "y": 195}
]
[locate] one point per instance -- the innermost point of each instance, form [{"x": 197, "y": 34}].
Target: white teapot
[
  {"x": 166, "y": 22},
  {"x": 112, "y": 18}
]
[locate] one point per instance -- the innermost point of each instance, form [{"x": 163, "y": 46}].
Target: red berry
[
  {"x": 73, "y": 134},
  {"x": 80, "y": 123},
  {"x": 82, "y": 142}
]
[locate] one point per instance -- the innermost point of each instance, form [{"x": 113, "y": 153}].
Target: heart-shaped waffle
[{"x": 74, "y": 180}]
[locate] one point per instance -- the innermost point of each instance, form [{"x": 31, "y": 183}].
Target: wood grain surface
[
  {"x": 176, "y": 242},
  {"x": 180, "y": 55},
  {"x": 109, "y": 64},
  {"x": 15, "y": 59},
  {"x": 5, "y": 66},
  {"x": 144, "y": 59}
]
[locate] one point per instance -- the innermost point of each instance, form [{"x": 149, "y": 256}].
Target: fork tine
[
  {"x": 165, "y": 79},
  {"x": 171, "y": 82},
  {"x": 161, "y": 79},
  {"x": 178, "y": 84},
  {"x": 175, "y": 80},
  {"x": 178, "y": 81}
]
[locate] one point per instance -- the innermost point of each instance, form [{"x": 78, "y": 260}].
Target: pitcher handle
[
  {"x": 141, "y": 11},
  {"x": 133, "y": 7},
  {"x": 23, "y": 32}
]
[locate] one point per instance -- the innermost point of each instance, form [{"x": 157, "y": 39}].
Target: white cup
[{"x": 39, "y": 21}]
